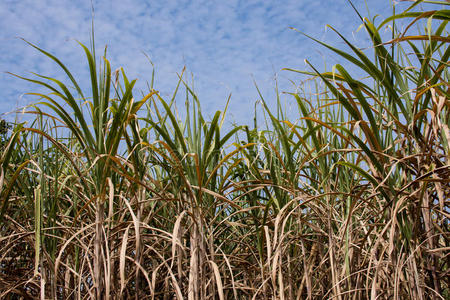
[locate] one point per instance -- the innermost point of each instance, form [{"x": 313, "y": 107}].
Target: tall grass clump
[{"x": 111, "y": 195}]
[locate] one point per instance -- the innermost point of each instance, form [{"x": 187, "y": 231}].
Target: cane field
[{"x": 110, "y": 192}]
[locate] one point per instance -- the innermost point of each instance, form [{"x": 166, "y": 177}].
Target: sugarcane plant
[{"x": 114, "y": 193}]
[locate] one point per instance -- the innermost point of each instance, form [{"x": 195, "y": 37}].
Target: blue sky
[{"x": 225, "y": 44}]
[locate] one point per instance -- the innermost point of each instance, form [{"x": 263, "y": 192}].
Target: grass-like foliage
[{"x": 111, "y": 195}]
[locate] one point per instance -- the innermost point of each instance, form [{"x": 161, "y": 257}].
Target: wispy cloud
[{"x": 225, "y": 44}]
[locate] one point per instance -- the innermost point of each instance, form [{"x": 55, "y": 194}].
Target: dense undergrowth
[{"x": 107, "y": 194}]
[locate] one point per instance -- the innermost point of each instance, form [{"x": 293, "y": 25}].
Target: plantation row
[{"x": 111, "y": 195}]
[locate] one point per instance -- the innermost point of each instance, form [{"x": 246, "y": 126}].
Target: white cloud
[{"x": 224, "y": 43}]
